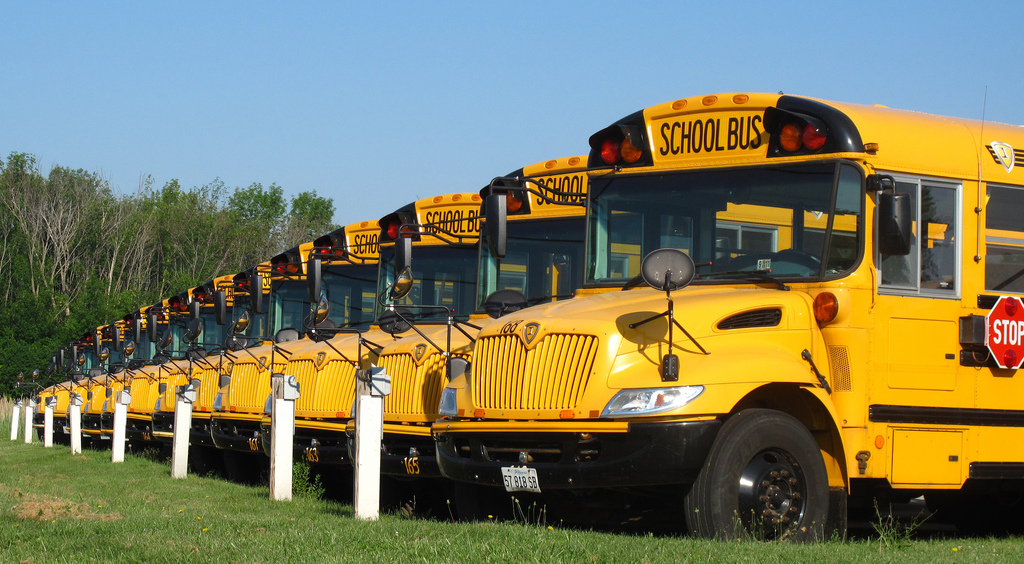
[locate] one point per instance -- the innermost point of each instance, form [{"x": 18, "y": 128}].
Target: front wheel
[{"x": 764, "y": 479}]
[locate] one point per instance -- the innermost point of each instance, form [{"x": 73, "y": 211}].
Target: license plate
[{"x": 518, "y": 479}]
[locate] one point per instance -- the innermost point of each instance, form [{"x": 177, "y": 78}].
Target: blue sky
[{"x": 377, "y": 104}]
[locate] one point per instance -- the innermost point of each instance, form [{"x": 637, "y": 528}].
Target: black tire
[{"x": 764, "y": 479}]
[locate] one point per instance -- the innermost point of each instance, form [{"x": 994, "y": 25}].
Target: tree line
[{"x": 75, "y": 254}]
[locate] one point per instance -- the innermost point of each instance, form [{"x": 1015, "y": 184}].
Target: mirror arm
[
  {"x": 341, "y": 354},
  {"x": 459, "y": 325},
  {"x": 265, "y": 367},
  {"x": 371, "y": 344}
]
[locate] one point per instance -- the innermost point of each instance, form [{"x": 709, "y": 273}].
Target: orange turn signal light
[{"x": 826, "y": 307}]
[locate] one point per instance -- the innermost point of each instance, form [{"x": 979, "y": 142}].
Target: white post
[
  {"x": 372, "y": 386},
  {"x": 15, "y": 419},
  {"x": 121, "y": 401},
  {"x": 48, "y": 421},
  {"x": 75, "y": 411},
  {"x": 182, "y": 429},
  {"x": 30, "y": 407},
  {"x": 284, "y": 392}
]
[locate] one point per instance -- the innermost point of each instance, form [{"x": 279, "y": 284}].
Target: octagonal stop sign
[{"x": 1004, "y": 332}]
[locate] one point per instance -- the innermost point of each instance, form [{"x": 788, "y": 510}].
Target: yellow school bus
[
  {"x": 112, "y": 372},
  {"x": 273, "y": 316},
  {"x": 208, "y": 368},
  {"x": 180, "y": 364},
  {"x": 814, "y": 334},
  {"x": 142, "y": 374},
  {"x": 348, "y": 283},
  {"x": 90, "y": 371},
  {"x": 441, "y": 233},
  {"x": 543, "y": 263}
]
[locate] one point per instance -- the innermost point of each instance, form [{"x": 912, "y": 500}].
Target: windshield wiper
[{"x": 759, "y": 275}]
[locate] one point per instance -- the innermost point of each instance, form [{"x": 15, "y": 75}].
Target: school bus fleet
[{"x": 782, "y": 309}]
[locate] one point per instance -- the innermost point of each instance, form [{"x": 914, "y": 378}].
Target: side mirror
[
  {"x": 53, "y": 365},
  {"x": 402, "y": 286},
  {"x": 151, "y": 327},
  {"x": 313, "y": 273},
  {"x": 395, "y": 321},
  {"x": 286, "y": 335},
  {"x": 193, "y": 331},
  {"x": 895, "y": 228},
  {"x": 21, "y": 376},
  {"x": 242, "y": 323},
  {"x": 194, "y": 307},
  {"x": 97, "y": 342},
  {"x": 129, "y": 349},
  {"x": 35, "y": 374},
  {"x": 136, "y": 334},
  {"x": 667, "y": 269},
  {"x": 104, "y": 354},
  {"x": 165, "y": 339},
  {"x": 495, "y": 216},
  {"x": 504, "y": 301},
  {"x": 61, "y": 360},
  {"x": 403, "y": 254},
  {"x": 220, "y": 307},
  {"x": 115, "y": 338},
  {"x": 256, "y": 292}
]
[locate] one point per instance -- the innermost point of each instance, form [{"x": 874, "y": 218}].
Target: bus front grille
[
  {"x": 552, "y": 375},
  {"x": 249, "y": 386},
  {"x": 327, "y": 392},
  {"x": 415, "y": 390}
]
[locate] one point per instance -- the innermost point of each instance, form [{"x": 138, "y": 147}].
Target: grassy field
[{"x": 62, "y": 508}]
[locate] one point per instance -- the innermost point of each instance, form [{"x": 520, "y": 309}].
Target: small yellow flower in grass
[
  {"x": 956, "y": 548},
  {"x": 550, "y": 528},
  {"x": 199, "y": 518},
  {"x": 181, "y": 511},
  {"x": 205, "y": 529}
]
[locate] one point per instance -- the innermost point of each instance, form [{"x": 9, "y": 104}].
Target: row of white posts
[{"x": 370, "y": 391}]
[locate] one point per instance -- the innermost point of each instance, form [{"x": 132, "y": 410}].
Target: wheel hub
[{"x": 771, "y": 494}]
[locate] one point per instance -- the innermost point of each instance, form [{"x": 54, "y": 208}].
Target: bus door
[{"x": 917, "y": 319}]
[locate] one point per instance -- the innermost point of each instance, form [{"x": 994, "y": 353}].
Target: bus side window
[
  {"x": 932, "y": 265},
  {"x": 1004, "y": 239}
]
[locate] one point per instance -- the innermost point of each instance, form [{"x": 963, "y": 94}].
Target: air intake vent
[
  {"x": 749, "y": 319},
  {"x": 839, "y": 360}
]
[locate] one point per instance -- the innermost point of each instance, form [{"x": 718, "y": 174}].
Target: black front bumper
[
  {"x": 163, "y": 426},
  {"x": 647, "y": 454},
  {"x": 315, "y": 445},
  {"x": 138, "y": 428},
  {"x": 241, "y": 435},
  {"x": 411, "y": 456}
]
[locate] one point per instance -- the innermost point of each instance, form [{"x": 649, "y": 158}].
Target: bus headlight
[
  {"x": 649, "y": 401},
  {"x": 159, "y": 402},
  {"x": 218, "y": 400},
  {"x": 268, "y": 406},
  {"x": 447, "y": 407}
]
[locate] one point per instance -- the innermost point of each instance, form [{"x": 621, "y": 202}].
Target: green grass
[{"x": 55, "y": 507}]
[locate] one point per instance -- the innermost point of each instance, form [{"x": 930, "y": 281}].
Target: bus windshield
[
  {"x": 796, "y": 221},
  {"x": 289, "y": 305},
  {"x": 543, "y": 262},
  {"x": 351, "y": 291},
  {"x": 444, "y": 276}
]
